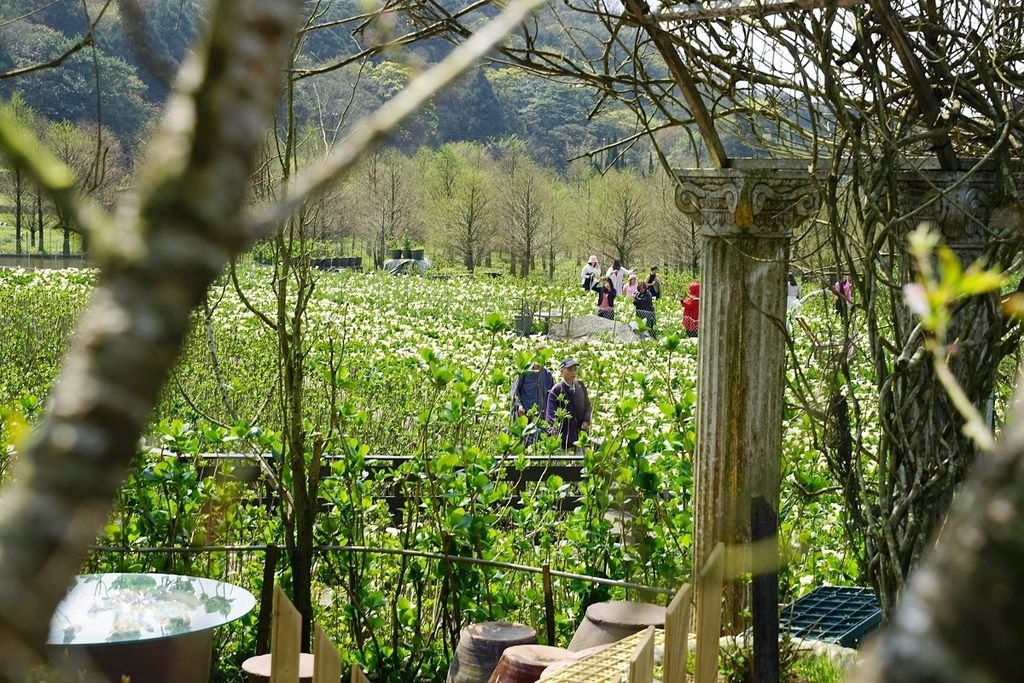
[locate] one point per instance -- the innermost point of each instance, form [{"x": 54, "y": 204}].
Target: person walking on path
[
  {"x": 691, "y": 310},
  {"x": 590, "y": 274},
  {"x": 606, "y": 294},
  {"x": 568, "y": 410},
  {"x": 654, "y": 283},
  {"x": 529, "y": 397},
  {"x": 644, "y": 302}
]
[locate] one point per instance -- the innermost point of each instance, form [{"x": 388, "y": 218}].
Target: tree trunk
[
  {"x": 959, "y": 617},
  {"x": 191, "y": 191},
  {"x": 39, "y": 216},
  {"x": 17, "y": 210}
]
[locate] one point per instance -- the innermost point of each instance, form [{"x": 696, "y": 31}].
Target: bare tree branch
[{"x": 86, "y": 40}]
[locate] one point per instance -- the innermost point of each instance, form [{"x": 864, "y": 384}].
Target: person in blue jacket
[
  {"x": 568, "y": 410},
  {"x": 529, "y": 397}
]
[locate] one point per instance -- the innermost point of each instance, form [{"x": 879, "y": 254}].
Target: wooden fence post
[
  {"x": 709, "y": 592},
  {"x": 677, "y": 631},
  {"x": 285, "y": 640},
  {"x": 266, "y": 601},
  {"x": 357, "y": 675},
  {"x": 549, "y": 604},
  {"x": 763, "y": 525},
  {"x": 641, "y": 661},
  {"x": 326, "y": 660}
]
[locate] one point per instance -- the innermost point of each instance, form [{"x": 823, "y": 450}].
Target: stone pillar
[
  {"x": 925, "y": 440},
  {"x": 746, "y": 214}
]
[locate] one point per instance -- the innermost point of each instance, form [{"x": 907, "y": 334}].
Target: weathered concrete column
[{"x": 746, "y": 214}]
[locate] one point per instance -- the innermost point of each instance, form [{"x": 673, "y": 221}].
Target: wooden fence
[{"x": 629, "y": 660}]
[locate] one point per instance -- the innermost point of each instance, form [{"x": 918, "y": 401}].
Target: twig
[{"x": 372, "y": 129}]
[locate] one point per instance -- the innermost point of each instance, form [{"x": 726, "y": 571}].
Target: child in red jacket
[{"x": 691, "y": 309}]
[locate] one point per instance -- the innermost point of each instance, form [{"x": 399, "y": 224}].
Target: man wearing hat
[
  {"x": 588, "y": 278},
  {"x": 570, "y": 397}
]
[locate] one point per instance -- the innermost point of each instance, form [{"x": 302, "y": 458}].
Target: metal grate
[{"x": 835, "y": 614}]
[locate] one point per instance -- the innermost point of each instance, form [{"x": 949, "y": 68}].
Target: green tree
[
  {"x": 17, "y": 184},
  {"x": 623, "y": 217},
  {"x": 70, "y": 90},
  {"x": 524, "y": 204},
  {"x": 460, "y": 186},
  {"x": 469, "y": 111},
  {"x": 385, "y": 181}
]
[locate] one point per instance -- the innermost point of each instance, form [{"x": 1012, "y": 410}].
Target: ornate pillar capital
[
  {"x": 958, "y": 203},
  {"x": 754, "y": 197}
]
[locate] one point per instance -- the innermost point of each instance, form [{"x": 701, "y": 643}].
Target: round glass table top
[{"x": 112, "y": 608}]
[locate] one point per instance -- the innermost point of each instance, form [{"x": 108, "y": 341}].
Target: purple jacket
[{"x": 577, "y": 407}]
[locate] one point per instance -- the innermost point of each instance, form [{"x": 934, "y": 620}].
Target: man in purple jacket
[{"x": 570, "y": 397}]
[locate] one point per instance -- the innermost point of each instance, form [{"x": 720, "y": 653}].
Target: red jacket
[{"x": 691, "y": 308}]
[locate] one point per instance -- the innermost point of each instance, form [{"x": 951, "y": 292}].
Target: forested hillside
[{"x": 134, "y": 53}]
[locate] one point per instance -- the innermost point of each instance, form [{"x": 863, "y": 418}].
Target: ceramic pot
[
  {"x": 481, "y": 646},
  {"x": 258, "y": 668},
  {"x": 608, "y": 622},
  {"x": 526, "y": 663}
]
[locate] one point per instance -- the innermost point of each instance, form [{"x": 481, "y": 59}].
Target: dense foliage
[{"x": 421, "y": 368}]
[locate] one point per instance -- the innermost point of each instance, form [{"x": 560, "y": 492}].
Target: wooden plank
[
  {"x": 285, "y": 640},
  {"x": 357, "y": 675},
  {"x": 326, "y": 660},
  {"x": 765, "y": 606},
  {"x": 549, "y": 604},
  {"x": 677, "y": 632},
  {"x": 709, "y": 595},
  {"x": 641, "y": 661}
]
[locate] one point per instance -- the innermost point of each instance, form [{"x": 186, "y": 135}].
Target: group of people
[
  {"x": 564, "y": 406},
  {"x": 621, "y": 280}
]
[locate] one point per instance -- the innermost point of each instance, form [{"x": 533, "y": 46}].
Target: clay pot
[
  {"x": 258, "y": 668},
  {"x": 481, "y": 646},
  {"x": 526, "y": 663},
  {"x": 608, "y": 622}
]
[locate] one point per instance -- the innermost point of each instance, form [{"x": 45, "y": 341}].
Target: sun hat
[
  {"x": 593, "y": 260},
  {"x": 567, "y": 363}
]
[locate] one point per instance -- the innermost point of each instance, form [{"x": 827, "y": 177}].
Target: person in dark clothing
[
  {"x": 568, "y": 410},
  {"x": 644, "y": 302},
  {"x": 529, "y": 397},
  {"x": 605, "y": 298},
  {"x": 654, "y": 283}
]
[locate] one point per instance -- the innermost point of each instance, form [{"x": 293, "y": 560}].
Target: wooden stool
[
  {"x": 258, "y": 668},
  {"x": 608, "y": 622},
  {"x": 526, "y": 663},
  {"x": 481, "y": 646}
]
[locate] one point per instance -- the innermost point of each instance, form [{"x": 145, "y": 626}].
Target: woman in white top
[
  {"x": 588, "y": 278},
  {"x": 618, "y": 274},
  {"x": 792, "y": 293}
]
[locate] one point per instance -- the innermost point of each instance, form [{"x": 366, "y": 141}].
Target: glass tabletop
[{"x": 113, "y": 608}]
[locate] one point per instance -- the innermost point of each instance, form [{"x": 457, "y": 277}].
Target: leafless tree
[{"x": 157, "y": 259}]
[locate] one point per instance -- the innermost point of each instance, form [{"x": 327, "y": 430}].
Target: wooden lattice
[{"x": 610, "y": 665}]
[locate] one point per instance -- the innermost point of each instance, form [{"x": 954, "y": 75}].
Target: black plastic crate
[{"x": 835, "y": 614}]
